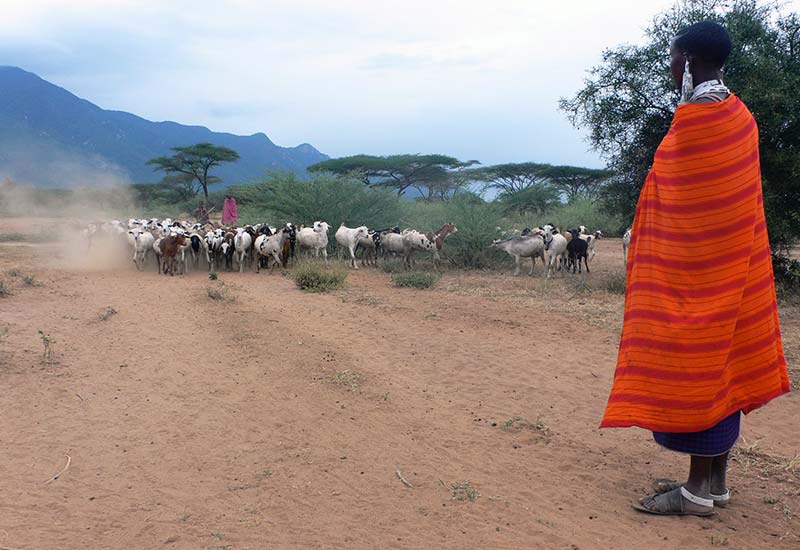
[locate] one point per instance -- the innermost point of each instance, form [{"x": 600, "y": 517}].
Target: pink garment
[{"x": 229, "y": 212}]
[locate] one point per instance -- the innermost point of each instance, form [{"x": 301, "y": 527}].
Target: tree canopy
[
  {"x": 628, "y": 101},
  {"x": 510, "y": 177},
  {"x": 431, "y": 175},
  {"x": 192, "y": 164},
  {"x": 576, "y": 182}
]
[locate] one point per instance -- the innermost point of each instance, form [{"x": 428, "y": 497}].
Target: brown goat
[{"x": 169, "y": 251}]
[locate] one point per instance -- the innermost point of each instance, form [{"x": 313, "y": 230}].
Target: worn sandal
[
  {"x": 665, "y": 485},
  {"x": 673, "y": 503}
]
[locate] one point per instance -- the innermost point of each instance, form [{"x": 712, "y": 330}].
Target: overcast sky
[{"x": 473, "y": 79}]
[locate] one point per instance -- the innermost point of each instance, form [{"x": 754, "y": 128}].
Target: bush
[
  {"x": 584, "y": 212},
  {"x": 415, "y": 279},
  {"x": 312, "y": 277},
  {"x": 287, "y": 198},
  {"x": 787, "y": 277},
  {"x": 613, "y": 282},
  {"x": 392, "y": 266},
  {"x": 477, "y": 222}
]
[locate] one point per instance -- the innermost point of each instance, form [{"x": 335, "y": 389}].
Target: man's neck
[{"x": 705, "y": 76}]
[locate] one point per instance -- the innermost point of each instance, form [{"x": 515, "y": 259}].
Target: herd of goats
[{"x": 176, "y": 245}]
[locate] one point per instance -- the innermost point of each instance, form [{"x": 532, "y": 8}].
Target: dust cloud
[{"x": 73, "y": 224}]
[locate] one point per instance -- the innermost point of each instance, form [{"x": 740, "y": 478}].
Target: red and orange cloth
[{"x": 701, "y": 337}]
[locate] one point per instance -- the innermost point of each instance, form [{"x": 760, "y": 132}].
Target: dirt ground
[{"x": 280, "y": 419}]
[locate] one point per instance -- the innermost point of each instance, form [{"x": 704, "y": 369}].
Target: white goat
[
  {"x": 393, "y": 243},
  {"x": 531, "y": 246},
  {"x": 241, "y": 246},
  {"x": 270, "y": 247},
  {"x": 348, "y": 238},
  {"x": 213, "y": 245},
  {"x": 142, "y": 242},
  {"x": 315, "y": 238},
  {"x": 591, "y": 241},
  {"x": 157, "y": 251},
  {"x": 413, "y": 240},
  {"x": 556, "y": 245}
]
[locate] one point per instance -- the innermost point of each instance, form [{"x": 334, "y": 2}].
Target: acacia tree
[
  {"x": 628, "y": 101},
  {"x": 511, "y": 177},
  {"x": 431, "y": 175},
  {"x": 536, "y": 199},
  {"x": 576, "y": 182},
  {"x": 194, "y": 162}
]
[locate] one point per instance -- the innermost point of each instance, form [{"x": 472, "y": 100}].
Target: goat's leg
[
  {"x": 276, "y": 260},
  {"x": 516, "y": 265},
  {"x": 587, "y": 264},
  {"x": 353, "y": 257},
  {"x": 533, "y": 263}
]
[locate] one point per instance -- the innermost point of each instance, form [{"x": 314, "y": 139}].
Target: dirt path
[{"x": 280, "y": 419}]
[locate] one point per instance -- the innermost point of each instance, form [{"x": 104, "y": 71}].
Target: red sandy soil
[{"x": 281, "y": 419}]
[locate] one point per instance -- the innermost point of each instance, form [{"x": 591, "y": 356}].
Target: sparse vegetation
[
  {"x": 415, "y": 279},
  {"x": 108, "y": 313},
  {"x": 464, "y": 490},
  {"x": 392, "y": 266},
  {"x": 519, "y": 423},
  {"x": 719, "y": 540},
  {"x": 30, "y": 280},
  {"x": 751, "y": 457},
  {"x": 313, "y": 277},
  {"x": 219, "y": 293},
  {"x": 47, "y": 344},
  {"x": 21, "y": 237},
  {"x": 12, "y": 237},
  {"x": 212, "y": 276},
  {"x": 613, "y": 282},
  {"x": 4, "y": 290},
  {"x": 348, "y": 379}
]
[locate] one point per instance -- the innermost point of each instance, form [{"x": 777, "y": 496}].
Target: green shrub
[
  {"x": 415, "y": 279},
  {"x": 312, "y": 277},
  {"x": 613, "y": 282},
  {"x": 477, "y": 222},
  {"x": 13, "y": 237},
  {"x": 583, "y": 212},
  {"x": 283, "y": 197},
  {"x": 392, "y": 266}
]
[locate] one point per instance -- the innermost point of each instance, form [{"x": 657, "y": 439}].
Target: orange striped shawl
[{"x": 700, "y": 338}]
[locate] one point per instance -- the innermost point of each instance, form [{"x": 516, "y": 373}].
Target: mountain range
[{"x": 50, "y": 137}]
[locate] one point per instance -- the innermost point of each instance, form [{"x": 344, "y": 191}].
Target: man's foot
[
  {"x": 678, "y": 502},
  {"x": 661, "y": 486}
]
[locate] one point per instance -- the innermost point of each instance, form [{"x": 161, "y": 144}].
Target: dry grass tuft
[
  {"x": 312, "y": 277},
  {"x": 464, "y": 490},
  {"x": 220, "y": 293},
  {"x": 519, "y": 423},
  {"x": 348, "y": 379},
  {"x": 415, "y": 279},
  {"x": 108, "y": 313},
  {"x": 767, "y": 466}
]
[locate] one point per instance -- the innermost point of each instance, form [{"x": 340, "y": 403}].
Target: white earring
[{"x": 687, "y": 86}]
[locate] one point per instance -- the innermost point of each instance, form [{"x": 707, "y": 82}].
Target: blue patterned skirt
[{"x": 716, "y": 440}]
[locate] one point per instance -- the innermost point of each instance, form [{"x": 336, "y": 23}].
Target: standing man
[
  {"x": 229, "y": 211},
  {"x": 701, "y": 341}
]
